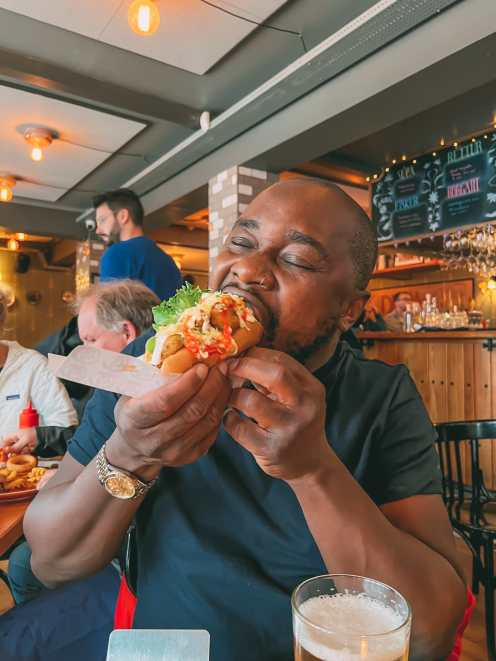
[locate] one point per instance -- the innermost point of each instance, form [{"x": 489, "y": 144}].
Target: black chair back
[{"x": 459, "y": 493}]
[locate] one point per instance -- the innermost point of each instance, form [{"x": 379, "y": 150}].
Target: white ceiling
[
  {"x": 64, "y": 164},
  {"x": 192, "y": 35}
]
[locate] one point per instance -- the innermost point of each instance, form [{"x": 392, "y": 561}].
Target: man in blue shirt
[
  {"x": 130, "y": 254},
  {"x": 241, "y": 493}
]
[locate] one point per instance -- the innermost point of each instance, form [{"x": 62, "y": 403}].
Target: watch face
[{"x": 120, "y": 486}]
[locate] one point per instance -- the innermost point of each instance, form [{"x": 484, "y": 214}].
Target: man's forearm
[
  {"x": 355, "y": 537},
  {"x": 75, "y": 528}
]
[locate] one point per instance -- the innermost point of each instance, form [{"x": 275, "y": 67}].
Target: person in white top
[{"x": 25, "y": 377}]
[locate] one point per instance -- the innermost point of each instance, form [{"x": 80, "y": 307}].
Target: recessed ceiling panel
[
  {"x": 86, "y": 138},
  {"x": 192, "y": 34}
]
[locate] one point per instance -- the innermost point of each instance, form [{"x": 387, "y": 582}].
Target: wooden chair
[{"x": 467, "y": 502}]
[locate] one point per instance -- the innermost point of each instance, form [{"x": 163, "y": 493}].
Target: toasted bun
[{"x": 183, "y": 360}]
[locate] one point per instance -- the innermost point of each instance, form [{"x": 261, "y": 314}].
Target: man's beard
[
  {"x": 303, "y": 354},
  {"x": 294, "y": 347},
  {"x": 114, "y": 234}
]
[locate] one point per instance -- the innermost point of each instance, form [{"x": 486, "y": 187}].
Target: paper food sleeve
[{"x": 108, "y": 370}]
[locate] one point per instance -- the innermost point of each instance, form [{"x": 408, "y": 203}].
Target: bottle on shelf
[{"x": 408, "y": 320}]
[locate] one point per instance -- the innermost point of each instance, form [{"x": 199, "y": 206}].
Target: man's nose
[{"x": 254, "y": 269}]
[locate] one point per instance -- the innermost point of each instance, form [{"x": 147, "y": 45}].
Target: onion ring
[{"x": 21, "y": 463}]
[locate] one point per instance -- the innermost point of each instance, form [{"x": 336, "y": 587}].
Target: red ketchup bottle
[{"x": 29, "y": 417}]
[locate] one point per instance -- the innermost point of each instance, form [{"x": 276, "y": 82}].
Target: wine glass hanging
[{"x": 472, "y": 250}]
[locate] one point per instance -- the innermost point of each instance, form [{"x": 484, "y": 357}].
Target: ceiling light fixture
[
  {"x": 143, "y": 17},
  {"x": 13, "y": 245},
  {"x": 39, "y": 139},
  {"x": 6, "y": 186}
]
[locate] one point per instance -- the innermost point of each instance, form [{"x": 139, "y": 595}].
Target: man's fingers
[
  {"x": 10, "y": 439},
  {"x": 163, "y": 402},
  {"x": 190, "y": 445},
  {"x": 276, "y": 377},
  {"x": 204, "y": 410},
  {"x": 20, "y": 447},
  {"x": 257, "y": 406},
  {"x": 245, "y": 432}
]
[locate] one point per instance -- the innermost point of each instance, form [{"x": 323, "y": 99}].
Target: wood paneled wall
[
  {"x": 27, "y": 323},
  {"x": 456, "y": 379}
]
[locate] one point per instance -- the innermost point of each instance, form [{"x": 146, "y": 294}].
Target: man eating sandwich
[{"x": 328, "y": 465}]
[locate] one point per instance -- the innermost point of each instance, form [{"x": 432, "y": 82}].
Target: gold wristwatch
[{"x": 118, "y": 482}]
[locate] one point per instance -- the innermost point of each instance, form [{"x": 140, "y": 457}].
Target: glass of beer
[{"x": 340, "y": 617}]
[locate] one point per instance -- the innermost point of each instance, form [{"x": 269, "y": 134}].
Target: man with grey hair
[
  {"x": 110, "y": 316},
  {"x": 113, "y": 314}
]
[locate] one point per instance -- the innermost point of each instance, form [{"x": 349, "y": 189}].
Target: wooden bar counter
[{"x": 455, "y": 373}]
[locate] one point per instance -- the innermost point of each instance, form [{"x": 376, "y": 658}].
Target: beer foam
[{"x": 347, "y": 617}]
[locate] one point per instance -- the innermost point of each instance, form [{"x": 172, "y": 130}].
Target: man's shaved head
[{"x": 363, "y": 238}]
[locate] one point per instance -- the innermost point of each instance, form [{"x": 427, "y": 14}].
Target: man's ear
[
  {"x": 352, "y": 311},
  {"x": 123, "y": 217},
  {"x": 130, "y": 331}
]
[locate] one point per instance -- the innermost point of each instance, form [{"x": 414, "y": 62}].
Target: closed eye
[
  {"x": 298, "y": 263},
  {"x": 241, "y": 242}
]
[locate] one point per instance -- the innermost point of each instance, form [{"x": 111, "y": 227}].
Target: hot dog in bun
[{"x": 195, "y": 326}]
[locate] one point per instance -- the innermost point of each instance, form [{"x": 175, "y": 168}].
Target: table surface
[{"x": 11, "y": 516}]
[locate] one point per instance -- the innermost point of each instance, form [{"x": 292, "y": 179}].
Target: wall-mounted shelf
[{"x": 406, "y": 271}]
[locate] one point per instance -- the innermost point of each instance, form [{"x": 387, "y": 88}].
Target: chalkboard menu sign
[{"x": 455, "y": 187}]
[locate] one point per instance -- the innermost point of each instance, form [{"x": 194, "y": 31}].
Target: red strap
[
  {"x": 457, "y": 650},
  {"x": 124, "y": 607}
]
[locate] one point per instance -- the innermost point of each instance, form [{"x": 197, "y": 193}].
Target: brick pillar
[{"x": 229, "y": 193}]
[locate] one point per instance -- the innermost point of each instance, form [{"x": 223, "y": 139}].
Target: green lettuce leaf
[
  {"x": 170, "y": 310},
  {"x": 150, "y": 344}
]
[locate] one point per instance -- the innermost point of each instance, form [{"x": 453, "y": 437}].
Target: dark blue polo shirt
[
  {"x": 141, "y": 259},
  {"x": 221, "y": 545}
]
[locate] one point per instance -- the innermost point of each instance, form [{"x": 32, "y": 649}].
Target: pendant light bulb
[
  {"x": 143, "y": 17},
  {"x": 6, "y": 194},
  {"x": 13, "y": 245},
  {"x": 39, "y": 139},
  {"x": 6, "y": 186},
  {"x": 37, "y": 154}
]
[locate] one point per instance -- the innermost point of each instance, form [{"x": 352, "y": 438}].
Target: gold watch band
[{"x": 119, "y": 482}]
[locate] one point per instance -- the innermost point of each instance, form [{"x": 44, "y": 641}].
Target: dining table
[{"x": 11, "y": 517}]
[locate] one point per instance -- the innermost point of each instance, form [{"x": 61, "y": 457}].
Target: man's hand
[
  {"x": 171, "y": 426},
  {"x": 22, "y": 441},
  {"x": 283, "y": 423}
]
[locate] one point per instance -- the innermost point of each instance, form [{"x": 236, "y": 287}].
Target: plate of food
[{"x": 19, "y": 477}]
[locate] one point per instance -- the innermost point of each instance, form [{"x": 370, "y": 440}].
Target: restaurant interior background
[
  {"x": 373, "y": 90},
  {"x": 366, "y": 94}
]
